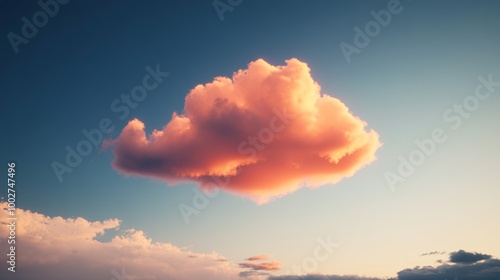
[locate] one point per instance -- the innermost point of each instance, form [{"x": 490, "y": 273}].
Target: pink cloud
[
  {"x": 50, "y": 248},
  {"x": 258, "y": 258},
  {"x": 268, "y": 266},
  {"x": 267, "y": 131}
]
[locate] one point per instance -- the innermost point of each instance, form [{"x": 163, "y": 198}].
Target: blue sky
[{"x": 426, "y": 59}]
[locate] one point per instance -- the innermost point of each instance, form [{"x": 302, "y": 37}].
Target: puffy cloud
[
  {"x": 467, "y": 257},
  {"x": 261, "y": 266},
  {"x": 52, "y": 248},
  {"x": 258, "y": 258},
  {"x": 265, "y": 132},
  {"x": 487, "y": 270},
  {"x": 468, "y": 266}
]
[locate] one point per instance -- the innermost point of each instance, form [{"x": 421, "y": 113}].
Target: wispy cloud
[
  {"x": 261, "y": 266},
  {"x": 321, "y": 277},
  {"x": 433, "y": 253},
  {"x": 258, "y": 258}
]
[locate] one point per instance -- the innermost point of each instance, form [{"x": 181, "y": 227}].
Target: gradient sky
[{"x": 427, "y": 59}]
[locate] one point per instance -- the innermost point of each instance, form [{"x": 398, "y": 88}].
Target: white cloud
[{"x": 51, "y": 248}]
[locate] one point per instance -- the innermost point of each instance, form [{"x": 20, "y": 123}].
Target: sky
[{"x": 237, "y": 139}]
